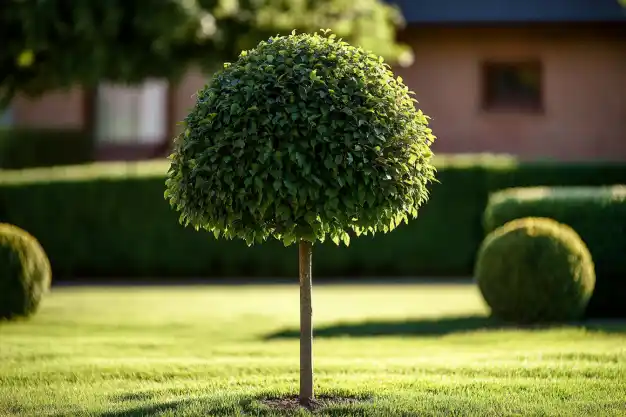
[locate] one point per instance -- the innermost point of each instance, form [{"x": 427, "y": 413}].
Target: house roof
[{"x": 510, "y": 11}]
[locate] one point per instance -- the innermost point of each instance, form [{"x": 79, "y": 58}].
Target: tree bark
[{"x": 306, "y": 328}]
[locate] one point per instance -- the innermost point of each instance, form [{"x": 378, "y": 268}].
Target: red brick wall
[
  {"x": 58, "y": 109},
  {"x": 584, "y": 90},
  {"x": 185, "y": 94}
]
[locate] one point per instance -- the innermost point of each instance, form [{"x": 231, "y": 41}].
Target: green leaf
[
  {"x": 310, "y": 217},
  {"x": 317, "y": 180},
  {"x": 361, "y": 195},
  {"x": 289, "y": 239},
  {"x": 283, "y": 211}
]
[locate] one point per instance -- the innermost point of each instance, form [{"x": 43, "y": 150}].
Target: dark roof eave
[{"x": 511, "y": 11}]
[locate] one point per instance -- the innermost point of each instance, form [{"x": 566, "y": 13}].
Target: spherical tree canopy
[
  {"x": 24, "y": 272},
  {"x": 303, "y": 137},
  {"x": 535, "y": 270}
]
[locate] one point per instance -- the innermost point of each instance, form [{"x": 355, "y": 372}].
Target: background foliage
[{"x": 54, "y": 44}]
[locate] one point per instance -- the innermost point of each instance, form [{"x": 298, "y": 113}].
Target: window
[
  {"x": 512, "y": 86},
  {"x": 132, "y": 114}
]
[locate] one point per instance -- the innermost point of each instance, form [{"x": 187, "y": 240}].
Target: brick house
[{"x": 535, "y": 78}]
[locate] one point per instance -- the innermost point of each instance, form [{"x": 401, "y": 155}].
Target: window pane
[
  {"x": 132, "y": 114},
  {"x": 512, "y": 85},
  {"x": 152, "y": 116}
]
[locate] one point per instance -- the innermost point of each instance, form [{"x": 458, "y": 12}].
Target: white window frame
[{"x": 135, "y": 114}]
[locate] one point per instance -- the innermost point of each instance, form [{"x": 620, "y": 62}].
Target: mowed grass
[{"x": 405, "y": 350}]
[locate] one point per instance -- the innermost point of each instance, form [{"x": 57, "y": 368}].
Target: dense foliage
[
  {"x": 598, "y": 214},
  {"x": 303, "y": 137},
  {"x": 535, "y": 270},
  {"x": 24, "y": 272},
  {"x": 58, "y": 43}
]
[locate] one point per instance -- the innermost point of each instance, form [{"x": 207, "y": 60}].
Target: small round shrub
[
  {"x": 24, "y": 272},
  {"x": 303, "y": 137},
  {"x": 534, "y": 270}
]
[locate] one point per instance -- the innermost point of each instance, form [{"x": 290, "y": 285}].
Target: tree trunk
[{"x": 306, "y": 328}]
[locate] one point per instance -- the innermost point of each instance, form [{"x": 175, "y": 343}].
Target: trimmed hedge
[
  {"x": 535, "y": 270},
  {"x": 111, "y": 220},
  {"x": 598, "y": 214},
  {"x": 24, "y": 273},
  {"x": 29, "y": 147}
]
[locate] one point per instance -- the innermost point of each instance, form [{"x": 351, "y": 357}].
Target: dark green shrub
[
  {"x": 28, "y": 147},
  {"x": 24, "y": 272},
  {"x": 534, "y": 270},
  {"x": 108, "y": 220},
  {"x": 598, "y": 214},
  {"x": 554, "y": 173}
]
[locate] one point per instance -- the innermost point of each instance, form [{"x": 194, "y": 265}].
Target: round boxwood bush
[
  {"x": 24, "y": 272},
  {"x": 302, "y": 138},
  {"x": 534, "y": 270}
]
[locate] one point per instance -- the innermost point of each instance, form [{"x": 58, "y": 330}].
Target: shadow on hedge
[{"x": 437, "y": 327}]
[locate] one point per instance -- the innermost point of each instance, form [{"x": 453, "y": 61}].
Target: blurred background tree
[{"x": 56, "y": 44}]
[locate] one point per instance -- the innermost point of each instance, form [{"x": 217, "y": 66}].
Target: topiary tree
[
  {"x": 303, "y": 138},
  {"x": 24, "y": 272},
  {"x": 534, "y": 270}
]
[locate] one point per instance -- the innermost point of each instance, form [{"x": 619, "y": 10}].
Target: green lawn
[{"x": 406, "y": 350}]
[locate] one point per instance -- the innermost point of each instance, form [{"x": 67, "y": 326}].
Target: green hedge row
[
  {"x": 110, "y": 220},
  {"x": 29, "y": 147},
  {"x": 598, "y": 214}
]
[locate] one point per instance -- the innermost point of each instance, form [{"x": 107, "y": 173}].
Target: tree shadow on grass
[
  {"x": 143, "y": 410},
  {"x": 437, "y": 327},
  {"x": 260, "y": 404},
  {"x": 200, "y": 406},
  {"x": 148, "y": 409}
]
